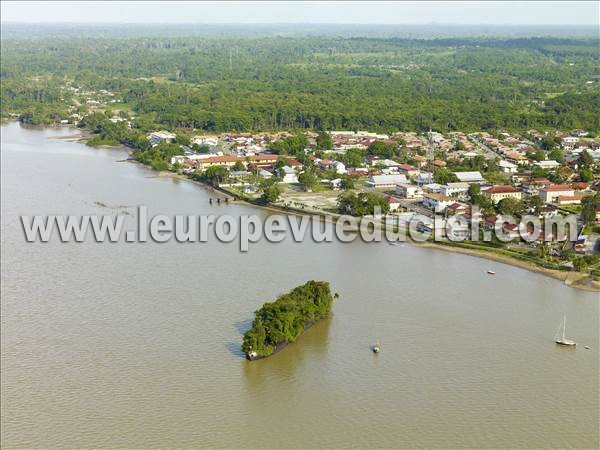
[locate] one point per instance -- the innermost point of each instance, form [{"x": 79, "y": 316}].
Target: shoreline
[{"x": 576, "y": 280}]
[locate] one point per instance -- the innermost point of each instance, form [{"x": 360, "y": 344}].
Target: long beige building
[{"x": 498, "y": 193}]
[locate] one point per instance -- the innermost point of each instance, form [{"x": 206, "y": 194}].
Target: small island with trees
[{"x": 281, "y": 322}]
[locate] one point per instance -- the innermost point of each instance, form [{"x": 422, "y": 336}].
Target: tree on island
[{"x": 284, "y": 320}]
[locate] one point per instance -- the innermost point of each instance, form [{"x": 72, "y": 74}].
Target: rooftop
[
  {"x": 501, "y": 189},
  {"x": 557, "y": 188}
]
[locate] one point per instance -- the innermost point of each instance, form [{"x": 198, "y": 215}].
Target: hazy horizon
[
  {"x": 304, "y": 12},
  {"x": 447, "y": 24}
]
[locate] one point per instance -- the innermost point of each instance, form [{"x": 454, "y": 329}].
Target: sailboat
[
  {"x": 560, "y": 334},
  {"x": 490, "y": 271}
]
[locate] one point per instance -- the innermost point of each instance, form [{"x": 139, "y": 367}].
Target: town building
[
  {"x": 257, "y": 160},
  {"x": 157, "y": 137},
  {"x": 569, "y": 200},
  {"x": 454, "y": 189},
  {"x": 470, "y": 177},
  {"x": 507, "y": 167},
  {"x": 393, "y": 203},
  {"x": 549, "y": 164},
  {"x": 289, "y": 175},
  {"x": 339, "y": 167},
  {"x": 408, "y": 170},
  {"x": 500, "y": 192},
  {"x": 386, "y": 181},
  {"x": 437, "y": 202},
  {"x": 409, "y": 191},
  {"x": 551, "y": 193},
  {"x": 336, "y": 184}
]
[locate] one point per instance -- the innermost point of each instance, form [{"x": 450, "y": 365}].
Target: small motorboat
[
  {"x": 491, "y": 272},
  {"x": 376, "y": 348},
  {"x": 587, "y": 347}
]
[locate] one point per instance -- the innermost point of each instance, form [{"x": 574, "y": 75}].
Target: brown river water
[{"x": 129, "y": 345}]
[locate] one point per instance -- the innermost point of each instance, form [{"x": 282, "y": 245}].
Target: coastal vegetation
[
  {"x": 284, "y": 320},
  {"x": 362, "y": 203},
  {"x": 304, "y": 82},
  {"x": 246, "y": 95}
]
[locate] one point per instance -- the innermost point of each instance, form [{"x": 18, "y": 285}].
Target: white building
[
  {"x": 289, "y": 175},
  {"x": 386, "y": 163},
  {"x": 386, "y": 181},
  {"x": 569, "y": 142},
  {"x": 205, "y": 140},
  {"x": 410, "y": 191},
  {"x": 548, "y": 164},
  {"x": 437, "y": 202},
  {"x": 157, "y": 137},
  {"x": 454, "y": 189},
  {"x": 470, "y": 177},
  {"x": 393, "y": 203},
  {"x": 499, "y": 193},
  {"x": 339, "y": 167},
  {"x": 551, "y": 194},
  {"x": 265, "y": 174},
  {"x": 424, "y": 178},
  {"x": 336, "y": 184},
  {"x": 507, "y": 167},
  {"x": 432, "y": 187}
]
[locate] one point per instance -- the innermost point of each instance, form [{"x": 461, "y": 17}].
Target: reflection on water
[{"x": 137, "y": 345}]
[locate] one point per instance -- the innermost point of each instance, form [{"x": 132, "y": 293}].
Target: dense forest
[
  {"x": 252, "y": 83},
  {"x": 285, "y": 319}
]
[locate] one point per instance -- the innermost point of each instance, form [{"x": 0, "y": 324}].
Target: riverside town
[{"x": 300, "y": 224}]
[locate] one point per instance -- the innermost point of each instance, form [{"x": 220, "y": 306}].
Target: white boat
[
  {"x": 491, "y": 272},
  {"x": 560, "y": 334},
  {"x": 376, "y": 348}
]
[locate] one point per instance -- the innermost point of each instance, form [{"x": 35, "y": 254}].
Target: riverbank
[
  {"x": 573, "y": 279},
  {"x": 576, "y": 280}
]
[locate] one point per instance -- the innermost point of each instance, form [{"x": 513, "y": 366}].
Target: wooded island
[{"x": 278, "y": 323}]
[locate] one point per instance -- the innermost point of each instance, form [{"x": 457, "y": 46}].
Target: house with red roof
[
  {"x": 551, "y": 193},
  {"x": 500, "y": 192}
]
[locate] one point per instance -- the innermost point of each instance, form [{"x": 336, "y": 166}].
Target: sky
[{"x": 411, "y": 12}]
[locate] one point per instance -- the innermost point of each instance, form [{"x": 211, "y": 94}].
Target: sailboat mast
[{"x": 564, "y": 325}]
